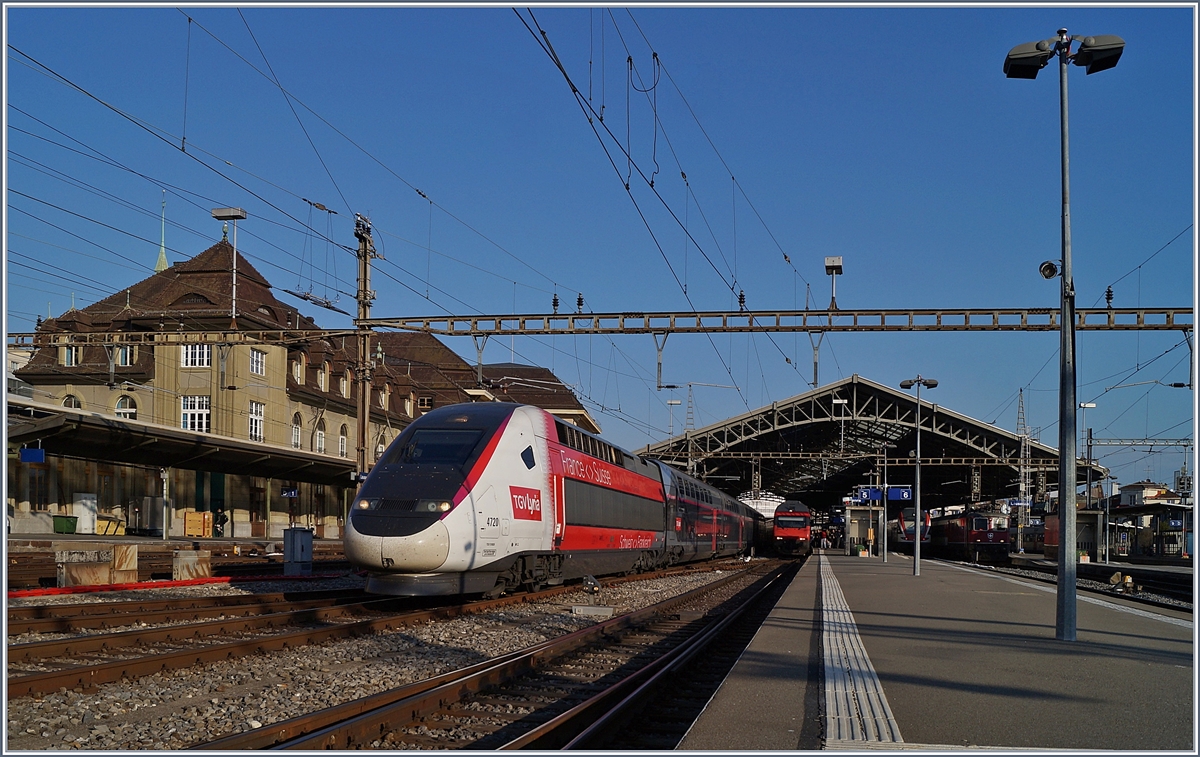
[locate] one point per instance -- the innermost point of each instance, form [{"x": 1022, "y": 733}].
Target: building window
[
  {"x": 297, "y": 424},
  {"x": 258, "y": 412},
  {"x": 323, "y": 377},
  {"x": 39, "y": 489},
  {"x": 258, "y": 362},
  {"x": 383, "y": 398},
  {"x": 72, "y": 355},
  {"x": 123, "y": 356},
  {"x": 298, "y": 369},
  {"x": 72, "y": 402},
  {"x": 425, "y": 403},
  {"x": 321, "y": 436},
  {"x": 196, "y": 356},
  {"x": 195, "y": 414},
  {"x": 408, "y": 406},
  {"x": 127, "y": 408},
  {"x": 380, "y": 446},
  {"x": 345, "y": 385},
  {"x": 342, "y": 441}
]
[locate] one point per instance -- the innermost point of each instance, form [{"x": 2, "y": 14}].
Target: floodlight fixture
[
  {"x": 1099, "y": 53},
  {"x": 1024, "y": 61}
]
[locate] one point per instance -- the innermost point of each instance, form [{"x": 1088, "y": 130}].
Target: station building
[{"x": 182, "y": 395}]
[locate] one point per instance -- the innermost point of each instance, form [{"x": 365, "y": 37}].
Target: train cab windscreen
[
  {"x": 435, "y": 446},
  {"x": 791, "y": 521}
]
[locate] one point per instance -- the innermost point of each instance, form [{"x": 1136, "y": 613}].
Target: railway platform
[{"x": 860, "y": 654}]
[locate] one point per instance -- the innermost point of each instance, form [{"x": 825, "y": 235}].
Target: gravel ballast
[{"x": 177, "y": 709}]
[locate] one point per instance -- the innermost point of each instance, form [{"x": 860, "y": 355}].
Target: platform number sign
[
  {"x": 289, "y": 492},
  {"x": 900, "y": 493}
]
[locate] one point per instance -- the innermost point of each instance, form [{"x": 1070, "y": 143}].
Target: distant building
[{"x": 297, "y": 395}]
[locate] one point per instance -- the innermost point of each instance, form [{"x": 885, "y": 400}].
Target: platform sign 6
[{"x": 899, "y": 492}]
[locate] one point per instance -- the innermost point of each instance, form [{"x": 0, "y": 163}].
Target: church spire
[{"x": 162, "y": 264}]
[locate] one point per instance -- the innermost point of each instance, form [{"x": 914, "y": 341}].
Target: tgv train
[
  {"x": 792, "y": 527},
  {"x": 901, "y": 530},
  {"x": 486, "y": 497}
]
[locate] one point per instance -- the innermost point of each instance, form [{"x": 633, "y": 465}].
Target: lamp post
[
  {"x": 1097, "y": 53},
  {"x": 928, "y": 383},
  {"x": 235, "y": 215}
]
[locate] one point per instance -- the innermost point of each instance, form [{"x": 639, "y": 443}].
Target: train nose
[{"x": 423, "y": 551}]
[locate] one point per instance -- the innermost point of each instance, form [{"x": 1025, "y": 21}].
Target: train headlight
[
  {"x": 367, "y": 504},
  {"x": 434, "y": 506}
]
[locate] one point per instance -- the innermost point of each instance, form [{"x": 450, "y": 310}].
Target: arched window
[
  {"x": 380, "y": 446},
  {"x": 321, "y": 436},
  {"x": 72, "y": 401},
  {"x": 342, "y": 441},
  {"x": 127, "y": 408},
  {"x": 297, "y": 425},
  {"x": 383, "y": 397},
  {"x": 345, "y": 387}
]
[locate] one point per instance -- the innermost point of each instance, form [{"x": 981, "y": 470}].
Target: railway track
[
  {"x": 141, "y": 637},
  {"x": 545, "y": 696},
  {"x": 76, "y": 618},
  {"x": 1150, "y": 587}
]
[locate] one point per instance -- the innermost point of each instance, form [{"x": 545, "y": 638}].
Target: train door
[
  {"x": 528, "y": 519},
  {"x": 487, "y": 527}
]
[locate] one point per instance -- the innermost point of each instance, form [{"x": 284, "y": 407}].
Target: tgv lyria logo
[{"x": 526, "y": 503}]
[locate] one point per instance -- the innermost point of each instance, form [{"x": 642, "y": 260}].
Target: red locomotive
[
  {"x": 793, "y": 529},
  {"x": 970, "y": 535}
]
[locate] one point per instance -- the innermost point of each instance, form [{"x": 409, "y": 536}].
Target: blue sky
[{"x": 889, "y": 136}]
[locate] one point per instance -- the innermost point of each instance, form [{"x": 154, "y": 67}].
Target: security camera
[{"x": 1049, "y": 269}]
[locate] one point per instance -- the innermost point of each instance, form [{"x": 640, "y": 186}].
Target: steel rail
[
  {"x": 563, "y": 731},
  {"x": 87, "y": 677},
  {"x": 361, "y": 721},
  {"x": 168, "y": 612},
  {"x": 108, "y": 642}
]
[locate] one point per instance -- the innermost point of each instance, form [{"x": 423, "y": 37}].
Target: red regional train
[
  {"x": 901, "y": 536},
  {"x": 487, "y": 497},
  {"x": 970, "y": 535},
  {"x": 793, "y": 529}
]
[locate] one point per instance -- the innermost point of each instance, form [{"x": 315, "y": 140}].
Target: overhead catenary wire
[
  {"x": 292, "y": 108},
  {"x": 544, "y": 43}
]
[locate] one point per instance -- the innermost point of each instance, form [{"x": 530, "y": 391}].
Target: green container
[{"x": 65, "y": 524}]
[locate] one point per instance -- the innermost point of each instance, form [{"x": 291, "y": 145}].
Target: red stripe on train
[{"x": 596, "y": 537}]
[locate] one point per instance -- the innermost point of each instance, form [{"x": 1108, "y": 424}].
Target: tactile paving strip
[{"x": 856, "y": 709}]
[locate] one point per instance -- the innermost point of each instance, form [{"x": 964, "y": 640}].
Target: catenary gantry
[{"x": 711, "y": 322}]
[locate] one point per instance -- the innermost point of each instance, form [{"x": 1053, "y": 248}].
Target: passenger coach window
[{"x": 436, "y": 446}]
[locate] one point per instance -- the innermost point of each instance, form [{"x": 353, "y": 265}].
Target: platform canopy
[
  {"x": 87, "y": 435},
  {"x": 818, "y": 446}
]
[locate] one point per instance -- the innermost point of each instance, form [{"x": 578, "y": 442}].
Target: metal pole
[
  {"x": 1065, "y": 616},
  {"x": 917, "y": 494},
  {"x": 366, "y": 250},
  {"x": 883, "y": 517},
  {"x": 233, "y": 305}
]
